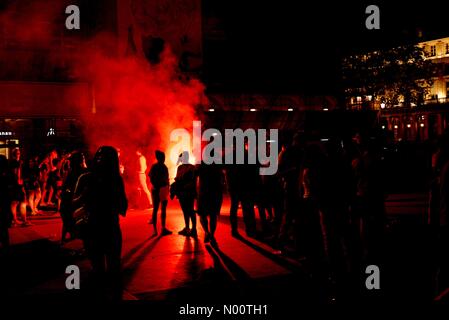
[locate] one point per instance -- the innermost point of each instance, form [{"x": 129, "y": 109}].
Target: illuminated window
[{"x": 433, "y": 51}]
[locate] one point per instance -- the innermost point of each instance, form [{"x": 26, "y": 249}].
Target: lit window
[{"x": 433, "y": 51}]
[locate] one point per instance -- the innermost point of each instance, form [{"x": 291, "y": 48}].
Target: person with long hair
[
  {"x": 78, "y": 167},
  {"x": 101, "y": 193}
]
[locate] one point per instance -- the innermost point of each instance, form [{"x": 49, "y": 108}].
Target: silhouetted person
[
  {"x": 290, "y": 159},
  {"x": 5, "y": 202},
  {"x": 54, "y": 183},
  {"x": 210, "y": 199},
  {"x": 159, "y": 179},
  {"x": 77, "y": 168},
  {"x": 142, "y": 178},
  {"x": 313, "y": 180},
  {"x": 32, "y": 186},
  {"x": 102, "y": 194},
  {"x": 369, "y": 206},
  {"x": 18, "y": 190},
  {"x": 186, "y": 192},
  {"x": 242, "y": 180}
]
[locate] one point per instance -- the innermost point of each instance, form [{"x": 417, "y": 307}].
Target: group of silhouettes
[{"x": 323, "y": 202}]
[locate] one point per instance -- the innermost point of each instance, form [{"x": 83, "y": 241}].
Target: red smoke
[
  {"x": 134, "y": 104},
  {"x": 138, "y": 104}
]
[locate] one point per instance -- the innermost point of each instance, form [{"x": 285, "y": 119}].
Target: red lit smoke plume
[{"x": 135, "y": 104}]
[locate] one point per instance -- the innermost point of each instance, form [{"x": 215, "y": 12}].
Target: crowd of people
[
  {"x": 326, "y": 202},
  {"x": 32, "y": 185}
]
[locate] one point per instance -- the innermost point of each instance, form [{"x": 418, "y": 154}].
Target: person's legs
[
  {"x": 191, "y": 204},
  {"x": 31, "y": 198},
  {"x": 204, "y": 224},
  {"x": 164, "y": 213},
  {"x": 233, "y": 212},
  {"x": 249, "y": 216},
  {"x": 183, "y": 202},
  {"x": 155, "y": 209},
  {"x": 114, "y": 252},
  {"x": 213, "y": 224},
  {"x": 144, "y": 187},
  {"x": 50, "y": 195},
  {"x": 37, "y": 199},
  {"x": 23, "y": 211},
  {"x": 14, "y": 205}
]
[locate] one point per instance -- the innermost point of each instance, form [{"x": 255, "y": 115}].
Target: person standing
[
  {"x": 77, "y": 168},
  {"x": 32, "y": 185},
  {"x": 18, "y": 193},
  {"x": 142, "y": 178},
  {"x": 210, "y": 199},
  {"x": 101, "y": 193},
  {"x": 185, "y": 181},
  {"x": 159, "y": 179}
]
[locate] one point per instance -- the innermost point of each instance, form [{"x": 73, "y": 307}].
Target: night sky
[{"x": 296, "y": 46}]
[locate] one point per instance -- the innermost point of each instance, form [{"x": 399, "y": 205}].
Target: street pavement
[
  {"x": 176, "y": 268},
  {"x": 153, "y": 267}
]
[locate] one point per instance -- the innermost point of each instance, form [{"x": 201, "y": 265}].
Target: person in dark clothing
[
  {"x": 242, "y": 182},
  {"x": 5, "y": 202},
  {"x": 77, "y": 168},
  {"x": 210, "y": 198},
  {"x": 101, "y": 193},
  {"x": 290, "y": 159},
  {"x": 369, "y": 204},
  {"x": 32, "y": 186},
  {"x": 54, "y": 183},
  {"x": 18, "y": 190},
  {"x": 160, "y": 189},
  {"x": 186, "y": 192},
  {"x": 314, "y": 183}
]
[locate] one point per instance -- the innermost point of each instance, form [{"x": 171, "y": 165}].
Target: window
[
  {"x": 447, "y": 48},
  {"x": 433, "y": 51}
]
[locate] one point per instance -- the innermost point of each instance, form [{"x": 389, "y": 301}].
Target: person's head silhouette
[
  {"x": 106, "y": 162},
  {"x": 160, "y": 156}
]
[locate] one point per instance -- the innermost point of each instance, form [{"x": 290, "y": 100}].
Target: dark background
[{"x": 298, "y": 45}]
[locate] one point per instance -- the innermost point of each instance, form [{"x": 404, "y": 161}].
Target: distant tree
[{"x": 394, "y": 76}]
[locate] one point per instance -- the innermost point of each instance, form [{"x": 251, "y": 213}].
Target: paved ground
[
  {"x": 178, "y": 269},
  {"x": 152, "y": 267}
]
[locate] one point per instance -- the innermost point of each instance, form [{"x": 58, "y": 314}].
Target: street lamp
[{"x": 382, "y": 105}]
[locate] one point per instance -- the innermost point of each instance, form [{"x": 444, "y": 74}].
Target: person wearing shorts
[
  {"x": 18, "y": 190},
  {"x": 160, "y": 191}
]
